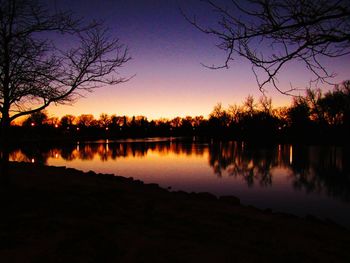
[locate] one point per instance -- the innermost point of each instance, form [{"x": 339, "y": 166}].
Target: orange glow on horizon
[{"x": 150, "y": 110}]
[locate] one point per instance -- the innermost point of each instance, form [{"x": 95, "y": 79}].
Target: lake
[{"x": 287, "y": 178}]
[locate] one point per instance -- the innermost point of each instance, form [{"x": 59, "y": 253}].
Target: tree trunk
[{"x": 4, "y": 149}]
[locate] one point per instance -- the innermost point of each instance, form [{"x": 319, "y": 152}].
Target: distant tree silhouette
[
  {"x": 36, "y": 119},
  {"x": 53, "y": 121},
  {"x": 219, "y": 117},
  {"x": 249, "y": 105},
  {"x": 313, "y": 99},
  {"x": 67, "y": 121},
  {"x": 198, "y": 121},
  {"x": 272, "y": 33},
  {"x": 117, "y": 121},
  {"x": 187, "y": 123},
  {"x": 175, "y": 122},
  {"x": 236, "y": 113},
  {"x": 265, "y": 105},
  {"x": 86, "y": 120},
  {"x": 142, "y": 120},
  {"x": 315, "y": 117},
  {"x": 257, "y": 121},
  {"x": 104, "y": 121},
  {"x": 35, "y": 71},
  {"x": 125, "y": 121},
  {"x": 299, "y": 118},
  {"x": 336, "y": 105}
]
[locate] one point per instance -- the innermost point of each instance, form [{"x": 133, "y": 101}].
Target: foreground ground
[{"x": 52, "y": 214}]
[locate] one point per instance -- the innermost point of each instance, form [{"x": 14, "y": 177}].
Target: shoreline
[
  {"x": 17, "y": 141},
  {"x": 62, "y": 214}
]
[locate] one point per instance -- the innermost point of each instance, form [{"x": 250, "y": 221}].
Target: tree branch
[{"x": 294, "y": 30}]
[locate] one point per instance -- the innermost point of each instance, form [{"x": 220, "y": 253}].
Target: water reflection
[
  {"x": 323, "y": 170},
  {"x": 105, "y": 151},
  {"x": 252, "y": 164}
]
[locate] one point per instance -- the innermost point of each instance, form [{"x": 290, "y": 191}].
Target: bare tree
[
  {"x": 36, "y": 71},
  {"x": 265, "y": 104},
  {"x": 271, "y": 33},
  {"x": 104, "y": 120},
  {"x": 67, "y": 120},
  {"x": 86, "y": 120},
  {"x": 249, "y": 105}
]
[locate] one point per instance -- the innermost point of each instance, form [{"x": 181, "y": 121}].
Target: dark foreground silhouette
[{"x": 63, "y": 215}]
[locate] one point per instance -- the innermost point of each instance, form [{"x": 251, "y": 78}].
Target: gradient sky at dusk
[{"x": 166, "y": 55}]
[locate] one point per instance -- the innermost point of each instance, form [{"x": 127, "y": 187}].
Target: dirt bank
[{"x": 54, "y": 214}]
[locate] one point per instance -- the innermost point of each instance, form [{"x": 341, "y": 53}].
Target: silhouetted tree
[
  {"x": 117, "y": 121},
  {"x": 299, "y": 117},
  {"x": 53, "y": 121},
  {"x": 187, "y": 123},
  {"x": 175, "y": 122},
  {"x": 265, "y": 105},
  {"x": 336, "y": 105},
  {"x": 104, "y": 121},
  {"x": 86, "y": 120},
  {"x": 249, "y": 105},
  {"x": 67, "y": 121},
  {"x": 36, "y": 119},
  {"x": 125, "y": 121},
  {"x": 236, "y": 113},
  {"x": 294, "y": 30},
  {"x": 36, "y": 72},
  {"x": 198, "y": 120},
  {"x": 142, "y": 121},
  {"x": 313, "y": 99},
  {"x": 281, "y": 114},
  {"x": 219, "y": 116}
]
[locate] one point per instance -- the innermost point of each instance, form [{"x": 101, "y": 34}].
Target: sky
[{"x": 167, "y": 53}]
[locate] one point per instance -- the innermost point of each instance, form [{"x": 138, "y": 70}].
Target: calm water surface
[{"x": 288, "y": 178}]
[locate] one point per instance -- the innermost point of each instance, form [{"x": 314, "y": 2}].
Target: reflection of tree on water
[
  {"x": 241, "y": 161},
  {"x": 315, "y": 169},
  {"x": 38, "y": 154},
  {"x": 104, "y": 151},
  {"x": 323, "y": 169}
]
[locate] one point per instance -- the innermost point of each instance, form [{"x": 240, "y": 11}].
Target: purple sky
[{"x": 167, "y": 52}]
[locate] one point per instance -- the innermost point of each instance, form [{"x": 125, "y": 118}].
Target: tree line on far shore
[{"x": 314, "y": 116}]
